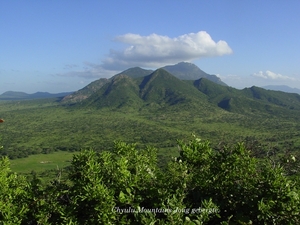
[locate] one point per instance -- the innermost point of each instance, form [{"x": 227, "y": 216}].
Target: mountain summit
[{"x": 189, "y": 71}]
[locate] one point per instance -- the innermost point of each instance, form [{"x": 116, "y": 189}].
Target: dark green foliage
[
  {"x": 245, "y": 189},
  {"x": 125, "y": 186}
]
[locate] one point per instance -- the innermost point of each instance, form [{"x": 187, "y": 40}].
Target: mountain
[
  {"x": 158, "y": 90},
  {"x": 9, "y": 95},
  {"x": 14, "y": 95},
  {"x": 249, "y": 100},
  {"x": 85, "y": 92},
  {"x": 283, "y": 88},
  {"x": 137, "y": 89},
  {"x": 162, "y": 90},
  {"x": 183, "y": 71},
  {"x": 93, "y": 87},
  {"x": 189, "y": 71}
]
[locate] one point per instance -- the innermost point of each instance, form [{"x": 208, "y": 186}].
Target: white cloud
[
  {"x": 156, "y": 50},
  {"x": 151, "y": 51},
  {"x": 272, "y": 76}
]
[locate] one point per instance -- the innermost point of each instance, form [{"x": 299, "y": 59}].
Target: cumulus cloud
[
  {"x": 156, "y": 50},
  {"x": 272, "y": 76},
  {"x": 152, "y": 51}
]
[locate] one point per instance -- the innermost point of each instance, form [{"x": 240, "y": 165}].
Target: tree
[{"x": 245, "y": 189}]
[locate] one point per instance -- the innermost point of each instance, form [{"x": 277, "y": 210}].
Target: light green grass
[{"x": 41, "y": 162}]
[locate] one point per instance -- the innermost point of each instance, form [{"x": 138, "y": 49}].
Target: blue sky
[{"x": 58, "y": 46}]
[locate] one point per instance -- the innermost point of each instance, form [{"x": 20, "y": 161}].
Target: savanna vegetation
[{"x": 44, "y": 126}]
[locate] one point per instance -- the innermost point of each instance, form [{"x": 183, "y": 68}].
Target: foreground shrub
[
  {"x": 247, "y": 191},
  {"x": 125, "y": 186}
]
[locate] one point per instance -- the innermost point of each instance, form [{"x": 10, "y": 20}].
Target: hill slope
[
  {"x": 250, "y": 100},
  {"x": 93, "y": 87},
  {"x": 120, "y": 91},
  {"x": 161, "y": 86},
  {"x": 85, "y": 92}
]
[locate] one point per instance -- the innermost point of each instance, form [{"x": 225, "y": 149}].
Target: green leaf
[{"x": 122, "y": 197}]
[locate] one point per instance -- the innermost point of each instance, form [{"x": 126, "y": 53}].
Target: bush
[{"x": 126, "y": 186}]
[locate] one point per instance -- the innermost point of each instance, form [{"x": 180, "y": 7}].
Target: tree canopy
[{"x": 126, "y": 186}]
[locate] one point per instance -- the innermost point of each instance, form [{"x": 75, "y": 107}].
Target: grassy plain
[{"x": 42, "y": 162}]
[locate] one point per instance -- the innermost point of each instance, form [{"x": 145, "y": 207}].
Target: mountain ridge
[{"x": 161, "y": 90}]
